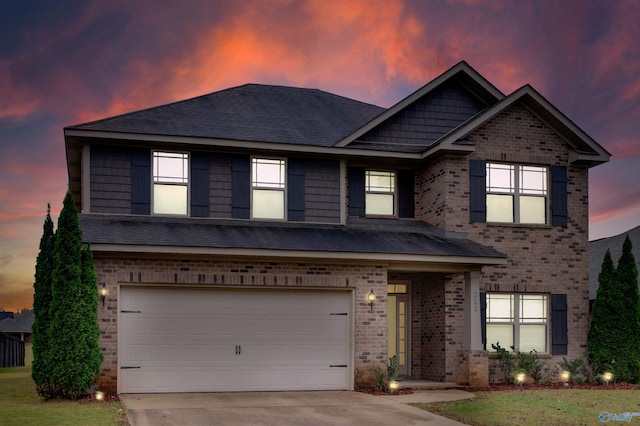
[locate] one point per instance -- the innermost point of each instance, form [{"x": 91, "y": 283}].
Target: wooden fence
[{"x": 11, "y": 351}]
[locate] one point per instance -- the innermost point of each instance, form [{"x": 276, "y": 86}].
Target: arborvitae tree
[
  {"x": 627, "y": 366},
  {"x": 601, "y": 344},
  {"x": 614, "y": 334},
  {"x": 73, "y": 351},
  {"x": 40, "y": 369},
  {"x": 89, "y": 278}
]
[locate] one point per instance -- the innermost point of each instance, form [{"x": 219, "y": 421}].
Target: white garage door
[{"x": 202, "y": 340}]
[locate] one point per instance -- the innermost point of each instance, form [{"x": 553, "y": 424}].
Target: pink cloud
[
  {"x": 622, "y": 148},
  {"x": 17, "y": 101}
]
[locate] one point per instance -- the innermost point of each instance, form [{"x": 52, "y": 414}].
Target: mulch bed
[
  {"x": 107, "y": 398},
  {"x": 586, "y": 386},
  {"x": 507, "y": 387},
  {"x": 378, "y": 392}
]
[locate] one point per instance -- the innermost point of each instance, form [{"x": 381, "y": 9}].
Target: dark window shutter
[
  {"x": 356, "y": 191},
  {"x": 406, "y": 203},
  {"x": 483, "y": 319},
  {"x": 199, "y": 184},
  {"x": 559, "y": 338},
  {"x": 478, "y": 190},
  {"x": 295, "y": 190},
  {"x": 241, "y": 187},
  {"x": 140, "y": 181},
  {"x": 559, "y": 196}
]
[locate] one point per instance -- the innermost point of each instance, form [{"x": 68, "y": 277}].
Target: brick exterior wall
[
  {"x": 370, "y": 333},
  {"x": 541, "y": 259},
  {"x": 429, "y": 331}
]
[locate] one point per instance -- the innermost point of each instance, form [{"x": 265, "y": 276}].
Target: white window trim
[
  {"x": 283, "y": 190},
  {"x": 187, "y": 184},
  {"x": 516, "y": 194},
  {"x": 516, "y": 322},
  {"x": 394, "y": 214}
]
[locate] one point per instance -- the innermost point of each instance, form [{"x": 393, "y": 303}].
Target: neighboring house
[
  {"x": 241, "y": 234},
  {"x": 19, "y": 326},
  {"x": 597, "y": 250}
]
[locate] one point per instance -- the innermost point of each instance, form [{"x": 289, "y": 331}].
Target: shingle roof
[
  {"x": 19, "y": 324},
  {"x": 598, "y": 248},
  {"x": 9, "y": 325},
  {"x": 25, "y": 320},
  {"x": 398, "y": 237},
  {"x": 252, "y": 112}
]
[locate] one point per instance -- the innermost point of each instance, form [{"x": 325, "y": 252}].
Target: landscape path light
[
  {"x": 564, "y": 376},
  {"x": 520, "y": 378},
  {"x": 607, "y": 377}
]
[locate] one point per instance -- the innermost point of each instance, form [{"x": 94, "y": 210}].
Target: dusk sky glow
[{"x": 72, "y": 61}]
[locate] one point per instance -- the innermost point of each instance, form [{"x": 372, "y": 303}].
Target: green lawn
[
  {"x": 540, "y": 407},
  {"x": 21, "y": 405}
]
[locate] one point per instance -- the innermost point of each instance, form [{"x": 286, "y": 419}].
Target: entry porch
[{"x": 434, "y": 327}]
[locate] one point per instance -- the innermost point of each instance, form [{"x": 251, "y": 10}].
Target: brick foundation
[{"x": 473, "y": 368}]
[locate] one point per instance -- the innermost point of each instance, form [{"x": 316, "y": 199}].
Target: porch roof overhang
[{"x": 399, "y": 245}]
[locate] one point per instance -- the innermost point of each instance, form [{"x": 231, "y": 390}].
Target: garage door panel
[{"x": 190, "y": 340}]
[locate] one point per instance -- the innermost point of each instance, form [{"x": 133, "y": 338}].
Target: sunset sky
[{"x": 71, "y": 61}]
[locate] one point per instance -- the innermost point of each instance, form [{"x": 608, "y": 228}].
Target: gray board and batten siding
[{"x": 418, "y": 126}]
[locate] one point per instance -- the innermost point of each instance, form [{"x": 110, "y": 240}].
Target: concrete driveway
[{"x": 284, "y": 408}]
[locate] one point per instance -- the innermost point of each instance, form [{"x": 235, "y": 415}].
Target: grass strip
[
  {"x": 540, "y": 407},
  {"x": 21, "y": 405}
]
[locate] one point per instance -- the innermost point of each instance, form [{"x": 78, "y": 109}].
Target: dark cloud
[{"x": 21, "y": 22}]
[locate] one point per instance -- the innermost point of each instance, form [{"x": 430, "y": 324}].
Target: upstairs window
[
  {"x": 170, "y": 183},
  {"x": 517, "y": 193},
  {"x": 268, "y": 188},
  {"x": 380, "y": 190},
  {"x": 518, "y": 320}
]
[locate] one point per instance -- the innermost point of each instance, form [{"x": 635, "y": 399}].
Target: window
[
  {"x": 267, "y": 188},
  {"x": 170, "y": 183},
  {"x": 518, "y": 320},
  {"x": 516, "y": 193},
  {"x": 380, "y": 188}
]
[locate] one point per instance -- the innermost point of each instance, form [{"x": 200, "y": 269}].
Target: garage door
[{"x": 202, "y": 340}]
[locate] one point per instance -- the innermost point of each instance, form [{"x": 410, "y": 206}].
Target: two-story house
[{"x": 279, "y": 238}]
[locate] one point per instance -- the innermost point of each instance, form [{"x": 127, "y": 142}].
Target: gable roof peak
[
  {"x": 584, "y": 149},
  {"x": 461, "y": 74}
]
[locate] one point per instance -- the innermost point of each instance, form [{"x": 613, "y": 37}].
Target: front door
[{"x": 398, "y": 325}]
